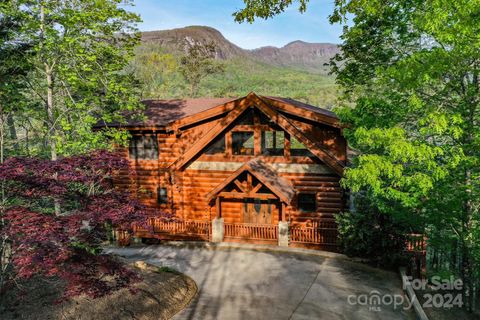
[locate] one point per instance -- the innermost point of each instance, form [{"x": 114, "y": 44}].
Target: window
[
  {"x": 143, "y": 147},
  {"x": 162, "y": 196},
  {"x": 307, "y": 202},
  {"x": 247, "y": 117},
  {"x": 273, "y": 143},
  {"x": 242, "y": 143},
  {"x": 217, "y": 147},
  {"x": 298, "y": 149}
]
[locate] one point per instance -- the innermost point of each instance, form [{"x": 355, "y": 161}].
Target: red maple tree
[{"x": 67, "y": 245}]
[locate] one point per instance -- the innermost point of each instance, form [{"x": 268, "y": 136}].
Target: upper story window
[
  {"x": 307, "y": 202},
  {"x": 162, "y": 195},
  {"x": 217, "y": 147},
  {"x": 144, "y": 147},
  {"x": 273, "y": 143},
  {"x": 243, "y": 143},
  {"x": 298, "y": 149}
]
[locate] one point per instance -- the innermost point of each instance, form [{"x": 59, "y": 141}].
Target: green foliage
[
  {"x": 410, "y": 71},
  {"x": 154, "y": 68},
  {"x": 198, "y": 63},
  {"x": 374, "y": 235},
  {"x": 265, "y": 9},
  {"x": 76, "y": 56},
  {"x": 241, "y": 76}
]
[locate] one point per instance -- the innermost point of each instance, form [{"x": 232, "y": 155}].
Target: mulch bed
[{"x": 161, "y": 294}]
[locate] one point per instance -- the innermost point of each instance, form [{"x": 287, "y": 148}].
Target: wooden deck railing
[
  {"x": 416, "y": 249},
  {"x": 323, "y": 233},
  {"x": 416, "y": 243},
  {"x": 177, "y": 229},
  {"x": 254, "y": 232}
]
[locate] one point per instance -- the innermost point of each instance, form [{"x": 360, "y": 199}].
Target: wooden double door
[{"x": 257, "y": 211}]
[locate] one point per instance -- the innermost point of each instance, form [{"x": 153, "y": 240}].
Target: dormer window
[
  {"x": 143, "y": 147},
  {"x": 217, "y": 146},
  {"x": 298, "y": 149},
  {"x": 243, "y": 143},
  {"x": 273, "y": 143}
]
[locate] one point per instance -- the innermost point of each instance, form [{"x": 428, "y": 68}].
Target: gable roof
[
  {"x": 240, "y": 106},
  {"x": 161, "y": 113},
  {"x": 281, "y": 187},
  {"x": 302, "y": 105},
  {"x": 176, "y": 113}
]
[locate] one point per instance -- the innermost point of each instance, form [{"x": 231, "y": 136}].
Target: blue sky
[{"x": 312, "y": 26}]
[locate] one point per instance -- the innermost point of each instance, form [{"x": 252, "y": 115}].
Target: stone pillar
[
  {"x": 283, "y": 233},
  {"x": 217, "y": 230}
]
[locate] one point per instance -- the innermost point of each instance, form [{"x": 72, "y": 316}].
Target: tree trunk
[
  {"x": 2, "y": 136},
  {"x": 49, "y": 106},
  {"x": 50, "y": 115},
  {"x": 466, "y": 266},
  {"x": 12, "y": 130}
]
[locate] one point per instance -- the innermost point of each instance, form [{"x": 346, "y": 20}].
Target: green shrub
[{"x": 368, "y": 233}]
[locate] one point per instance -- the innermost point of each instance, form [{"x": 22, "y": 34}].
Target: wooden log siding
[
  {"x": 197, "y": 183},
  {"x": 189, "y": 183},
  {"x": 245, "y": 232}
]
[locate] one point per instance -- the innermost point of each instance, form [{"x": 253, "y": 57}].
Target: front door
[{"x": 257, "y": 211}]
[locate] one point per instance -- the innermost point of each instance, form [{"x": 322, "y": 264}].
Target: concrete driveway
[{"x": 239, "y": 283}]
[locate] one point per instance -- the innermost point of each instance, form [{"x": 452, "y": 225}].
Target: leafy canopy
[
  {"x": 199, "y": 63},
  {"x": 77, "y": 53},
  {"x": 67, "y": 246}
]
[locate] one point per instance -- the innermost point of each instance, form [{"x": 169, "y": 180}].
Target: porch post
[
  {"x": 218, "y": 207},
  {"x": 283, "y": 233},
  {"x": 217, "y": 230},
  {"x": 282, "y": 213},
  {"x": 283, "y": 227},
  {"x": 217, "y": 223}
]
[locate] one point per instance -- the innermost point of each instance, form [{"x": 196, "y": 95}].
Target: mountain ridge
[{"x": 297, "y": 54}]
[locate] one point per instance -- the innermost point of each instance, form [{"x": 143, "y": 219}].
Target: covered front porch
[{"x": 250, "y": 205}]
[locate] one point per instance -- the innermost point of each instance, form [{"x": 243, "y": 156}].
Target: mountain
[
  {"x": 300, "y": 54},
  {"x": 178, "y": 40},
  {"x": 297, "y": 54}
]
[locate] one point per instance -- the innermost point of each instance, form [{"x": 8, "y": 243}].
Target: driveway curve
[{"x": 236, "y": 283}]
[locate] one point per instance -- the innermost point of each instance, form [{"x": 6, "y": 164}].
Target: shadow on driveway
[{"x": 244, "y": 284}]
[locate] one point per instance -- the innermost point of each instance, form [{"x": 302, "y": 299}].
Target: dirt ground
[
  {"x": 442, "y": 312},
  {"x": 161, "y": 294}
]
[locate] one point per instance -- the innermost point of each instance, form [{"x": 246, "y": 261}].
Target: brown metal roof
[
  {"x": 162, "y": 112},
  {"x": 303, "y": 105},
  {"x": 159, "y": 113}
]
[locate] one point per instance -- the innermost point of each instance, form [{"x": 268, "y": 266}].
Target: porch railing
[
  {"x": 255, "y": 232},
  {"x": 416, "y": 243},
  {"x": 176, "y": 229},
  {"x": 323, "y": 233}
]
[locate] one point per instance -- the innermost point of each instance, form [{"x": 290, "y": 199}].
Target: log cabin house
[{"x": 255, "y": 169}]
